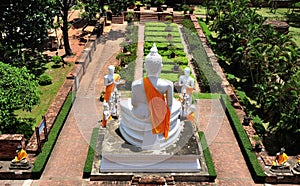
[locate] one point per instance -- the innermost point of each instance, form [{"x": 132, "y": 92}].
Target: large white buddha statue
[{"x": 149, "y": 119}]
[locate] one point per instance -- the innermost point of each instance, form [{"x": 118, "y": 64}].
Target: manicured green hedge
[
  {"x": 160, "y": 24},
  {"x": 244, "y": 142},
  {"x": 42, "y": 158},
  {"x": 90, "y": 156},
  {"x": 161, "y": 39},
  {"x": 207, "y": 156},
  {"x": 162, "y": 34},
  {"x": 208, "y": 78}
]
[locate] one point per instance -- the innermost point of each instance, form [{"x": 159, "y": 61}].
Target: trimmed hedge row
[
  {"x": 254, "y": 166},
  {"x": 42, "y": 158},
  {"x": 161, "y": 39},
  {"x": 160, "y": 24},
  {"x": 90, "y": 156},
  {"x": 206, "y": 76},
  {"x": 162, "y": 34},
  {"x": 207, "y": 156}
]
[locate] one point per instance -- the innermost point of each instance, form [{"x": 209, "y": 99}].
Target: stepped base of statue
[
  {"x": 139, "y": 132},
  {"x": 20, "y": 166},
  {"x": 180, "y": 157},
  {"x": 280, "y": 169},
  {"x": 296, "y": 169}
]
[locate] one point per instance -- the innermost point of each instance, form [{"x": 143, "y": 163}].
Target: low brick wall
[{"x": 9, "y": 144}]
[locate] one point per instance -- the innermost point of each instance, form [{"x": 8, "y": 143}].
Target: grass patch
[
  {"x": 207, "y": 156},
  {"x": 197, "y": 95},
  {"x": 169, "y": 76},
  {"x": 90, "y": 156},
  {"x": 42, "y": 158},
  {"x": 47, "y": 93}
]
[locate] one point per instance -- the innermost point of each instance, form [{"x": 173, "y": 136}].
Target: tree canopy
[{"x": 18, "y": 90}]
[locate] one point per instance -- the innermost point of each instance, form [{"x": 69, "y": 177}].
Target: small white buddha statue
[
  {"x": 150, "y": 118},
  {"x": 110, "y": 81},
  {"x": 187, "y": 86}
]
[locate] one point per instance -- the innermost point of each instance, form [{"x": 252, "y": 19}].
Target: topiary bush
[{"x": 45, "y": 80}]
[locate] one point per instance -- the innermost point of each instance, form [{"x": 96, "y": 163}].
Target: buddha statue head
[{"x": 153, "y": 62}]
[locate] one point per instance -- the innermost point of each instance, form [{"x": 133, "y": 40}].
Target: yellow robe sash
[
  {"x": 22, "y": 154},
  {"x": 110, "y": 88},
  {"x": 159, "y": 110}
]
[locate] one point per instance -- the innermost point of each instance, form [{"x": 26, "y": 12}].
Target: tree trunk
[{"x": 65, "y": 29}]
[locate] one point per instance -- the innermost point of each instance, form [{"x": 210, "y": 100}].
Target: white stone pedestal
[{"x": 120, "y": 156}]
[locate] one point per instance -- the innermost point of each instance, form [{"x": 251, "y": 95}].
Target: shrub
[
  {"x": 244, "y": 142},
  {"x": 42, "y": 158},
  {"x": 90, "y": 156},
  {"x": 45, "y": 80},
  {"x": 57, "y": 60},
  {"x": 207, "y": 156}
]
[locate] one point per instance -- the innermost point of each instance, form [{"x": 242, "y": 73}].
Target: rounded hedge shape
[{"x": 45, "y": 80}]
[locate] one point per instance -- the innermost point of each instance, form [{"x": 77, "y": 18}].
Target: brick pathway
[
  {"x": 229, "y": 162},
  {"x": 66, "y": 163}
]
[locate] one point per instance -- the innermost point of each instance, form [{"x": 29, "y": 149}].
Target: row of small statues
[{"x": 111, "y": 80}]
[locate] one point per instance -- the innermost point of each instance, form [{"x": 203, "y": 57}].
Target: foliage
[
  {"x": 42, "y": 158},
  {"x": 207, "y": 156},
  {"x": 169, "y": 18},
  {"x": 18, "y": 90},
  {"x": 207, "y": 32},
  {"x": 128, "y": 62},
  {"x": 90, "y": 156},
  {"x": 188, "y": 24},
  {"x": 243, "y": 140},
  {"x": 185, "y": 7},
  {"x": 117, "y": 7},
  {"x": 130, "y": 15},
  {"x": 207, "y": 77},
  {"x": 129, "y": 46},
  {"x": 57, "y": 60},
  {"x": 24, "y": 23},
  {"x": 266, "y": 61},
  {"x": 90, "y": 10},
  {"x": 45, "y": 80},
  {"x": 205, "y": 96}
]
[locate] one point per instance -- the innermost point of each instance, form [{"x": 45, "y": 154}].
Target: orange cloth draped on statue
[
  {"x": 159, "y": 110},
  {"x": 22, "y": 154},
  {"x": 110, "y": 88}
]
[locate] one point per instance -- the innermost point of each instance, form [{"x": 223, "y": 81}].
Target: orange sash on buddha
[
  {"x": 21, "y": 155},
  {"x": 108, "y": 90},
  {"x": 159, "y": 111}
]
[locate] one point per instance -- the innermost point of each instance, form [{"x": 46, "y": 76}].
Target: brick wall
[{"x": 9, "y": 144}]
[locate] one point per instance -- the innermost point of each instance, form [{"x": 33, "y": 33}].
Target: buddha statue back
[{"x": 135, "y": 123}]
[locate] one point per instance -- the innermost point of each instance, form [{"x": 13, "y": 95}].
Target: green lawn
[{"x": 47, "y": 93}]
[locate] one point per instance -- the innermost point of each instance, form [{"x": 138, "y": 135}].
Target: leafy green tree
[
  {"x": 24, "y": 28},
  {"x": 266, "y": 62},
  {"x": 18, "y": 90},
  {"x": 90, "y": 10}
]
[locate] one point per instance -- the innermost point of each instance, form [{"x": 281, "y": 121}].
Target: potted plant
[
  {"x": 147, "y": 4},
  {"x": 129, "y": 16},
  {"x": 185, "y": 8},
  {"x": 191, "y": 9},
  {"x": 138, "y": 5},
  {"x": 158, "y": 4}
]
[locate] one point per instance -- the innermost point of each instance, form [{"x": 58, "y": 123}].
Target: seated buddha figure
[{"x": 149, "y": 119}]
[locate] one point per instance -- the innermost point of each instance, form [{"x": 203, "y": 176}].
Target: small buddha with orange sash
[{"x": 109, "y": 81}]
